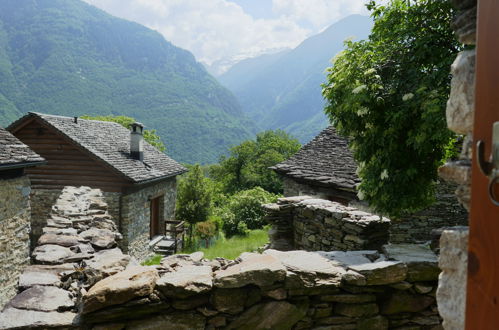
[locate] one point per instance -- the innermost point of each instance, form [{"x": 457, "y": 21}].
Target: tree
[
  {"x": 248, "y": 164},
  {"x": 193, "y": 198},
  {"x": 388, "y": 95},
  {"x": 149, "y": 134}
]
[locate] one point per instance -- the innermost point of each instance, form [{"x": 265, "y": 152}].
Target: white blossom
[
  {"x": 384, "y": 174},
  {"x": 360, "y": 195},
  {"x": 368, "y": 72},
  {"x": 359, "y": 89},
  {"x": 362, "y": 111},
  {"x": 407, "y": 97}
]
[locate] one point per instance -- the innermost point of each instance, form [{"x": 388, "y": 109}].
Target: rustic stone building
[
  {"x": 325, "y": 168},
  {"x": 15, "y": 157},
  {"x": 138, "y": 181}
]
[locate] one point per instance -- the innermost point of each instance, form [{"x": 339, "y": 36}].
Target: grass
[{"x": 229, "y": 248}]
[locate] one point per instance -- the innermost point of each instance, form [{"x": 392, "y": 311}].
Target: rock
[
  {"x": 401, "y": 285},
  {"x": 82, "y": 248},
  {"x": 191, "y": 303},
  {"x": 78, "y": 257},
  {"x": 271, "y": 315},
  {"x": 60, "y": 231},
  {"x": 335, "y": 320},
  {"x": 464, "y": 25},
  {"x": 207, "y": 312},
  {"x": 230, "y": 301},
  {"x": 308, "y": 269},
  {"x": 132, "y": 310},
  {"x": 42, "y": 275},
  {"x": 177, "y": 260},
  {"x": 460, "y": 107},
  {"x": 451, "y": 292},
  {"x": 374, "y": 323},
  {"x": 122, "y": 287},
  {"x": 62, "y": 240},
  {"x": 349, "y": 298},
  {"x": 186, "y": 281},
  {"x": 109, "y": 261},
  {"x": 422, "y": 263},
  {"x": 197, "y": 256},
  {"x": 43, "y": 299},
  {"x": 354, "y": 278},
  {"x": 51, "y": 254},
  {"x": 177, "y": 321},
  {"x": 254, "y": 268},
  {"x": 100, "y": 238},
  {"x": 356, "y": 310},
  {"x": 383, "y": 272},
  {"x": 423, "y": 289},
  {"x": 218, "y": 321},
  {"x": 402, "y": 301},
  {"x": 13, "y": 318},
  {"x": 277, "y": 294}
]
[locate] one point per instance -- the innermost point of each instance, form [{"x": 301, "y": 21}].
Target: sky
[{"x": 225, "y": 31}]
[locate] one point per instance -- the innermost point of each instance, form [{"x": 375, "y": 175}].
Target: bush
[
  {"x": 206, "y": 230},
  {"x": 244, "y": 211}
]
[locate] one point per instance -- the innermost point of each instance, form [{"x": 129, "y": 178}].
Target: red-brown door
[
  {"x": 482, "y": 305},
  {"x": 154, "y": 224}
]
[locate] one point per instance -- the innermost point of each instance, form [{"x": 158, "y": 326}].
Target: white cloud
[
  {"x": 220, "y": 30},
  {"x": 319, "y": 13}
]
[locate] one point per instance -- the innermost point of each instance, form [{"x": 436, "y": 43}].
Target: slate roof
[
  {"x": 110, "y": 143},
  {"x": 326, "y": 161},
  {"x": 14, "y": 153}
]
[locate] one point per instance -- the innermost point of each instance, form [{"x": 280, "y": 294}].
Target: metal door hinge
[{"x": 490, "y": 168}]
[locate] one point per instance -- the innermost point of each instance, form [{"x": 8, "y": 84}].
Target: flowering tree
[{"x": 388, "y": 94}]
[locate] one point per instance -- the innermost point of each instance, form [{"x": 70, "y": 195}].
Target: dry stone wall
[
  {"x": 460, "y": 108},
  {"x": 306, "y": 223},
  {"x": 14, "y": 234},
  {"x": 80, "y": 280}
]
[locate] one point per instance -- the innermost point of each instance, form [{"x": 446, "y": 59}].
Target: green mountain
[
  {"x": 66, "y": 57},
  {"x": 284, "y": 90}
]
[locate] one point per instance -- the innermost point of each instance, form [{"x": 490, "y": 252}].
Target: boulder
[
  {"x": 13, "y": 318},
  {"x": 308, "y": 269},
  {"x": 422, "y": 263},
  {"x": 382, "y": 272},
  {"x": 42, "y": 275},
  {"x": 230, "y": 301},
  {"x": 356, "y": 310},
  {"x": 132, "y": 283},
  {"x": 51, "y": 254},
  {"x": 271, "y": 315},
  {"x": 43, "y": 299},
  {"x": 402, "y": 301},
  {"x": 177, "y": 321},
  {"x": 109, "y": 261},
  {"x": 186, "y": 281},
  {"x": 254, "y": 268},
  {"x": 100, "y": 238},
  {"x": 62, "y": 240}
]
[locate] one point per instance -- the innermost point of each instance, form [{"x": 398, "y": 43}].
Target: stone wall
[
  {"x": 312, "y": 224},
  {"x": 445, "y": 212},
  {"x": 136, "y": 213},
  {"x": 459, "y": 112},
  {"x": 294, "y": 188},
  {"x": 80, "y": 280},
  {"x": 42, "y": 201},
  {"x": 14, "y": 234}
]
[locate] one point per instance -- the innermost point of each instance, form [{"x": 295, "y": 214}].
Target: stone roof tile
[
  {"x": 326, "y": 160},
  {"x": 14, "y": 152}
]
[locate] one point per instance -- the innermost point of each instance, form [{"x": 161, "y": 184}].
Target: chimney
[{"x": 137, "y": 141}]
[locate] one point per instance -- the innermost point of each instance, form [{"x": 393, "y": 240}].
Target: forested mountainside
[
  {"x": 283, "y": 90},
  {"x": 66, "y": 57}
]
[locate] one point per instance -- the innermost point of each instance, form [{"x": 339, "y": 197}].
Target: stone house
[
  {"x": 15, "y": 158},
  {"x": 138, "y": 181},
  {"x": 325, "y": 168}
]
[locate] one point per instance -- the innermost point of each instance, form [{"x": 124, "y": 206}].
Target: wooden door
[
  {"x": 155, "y": 216},
  {"x": 482, "y": 305}
]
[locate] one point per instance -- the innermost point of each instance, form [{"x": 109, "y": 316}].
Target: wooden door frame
[
  {"x": 482, "y": 301},
  {"x": 155, "y": 217}
]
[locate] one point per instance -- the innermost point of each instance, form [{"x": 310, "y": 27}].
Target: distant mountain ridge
[
  {"x": 283, "y": 90},
  {"x": 69, "y": 58}
]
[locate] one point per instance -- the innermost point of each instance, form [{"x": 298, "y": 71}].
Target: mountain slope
[
  {"x": 286, "y": 93},
  {"x": 69, "y": 58}
]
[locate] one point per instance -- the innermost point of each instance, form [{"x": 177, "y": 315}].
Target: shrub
[{"x": 244, "y": 211}]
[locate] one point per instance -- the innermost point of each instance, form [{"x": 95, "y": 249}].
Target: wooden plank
[{"x": 482, "y": 305}]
